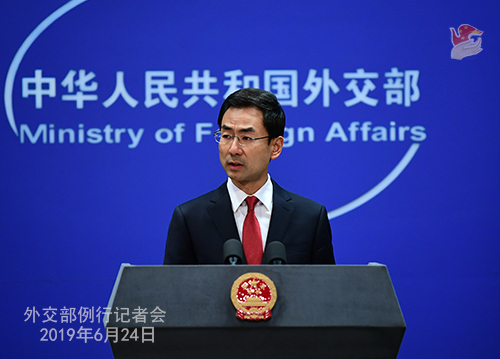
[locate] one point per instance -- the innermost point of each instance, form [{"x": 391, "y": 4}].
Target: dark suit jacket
[{"x": 200, "y": 227}]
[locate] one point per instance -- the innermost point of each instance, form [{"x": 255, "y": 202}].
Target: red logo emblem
[
  {"x": 466, "y": 43},
  {"x": 253, "y": 295}
]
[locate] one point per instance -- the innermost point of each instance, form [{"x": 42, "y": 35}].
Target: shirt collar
[{"x": 264, "y": 194}]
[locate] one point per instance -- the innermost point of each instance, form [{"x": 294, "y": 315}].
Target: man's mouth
[{"x": 235, "y": 165}]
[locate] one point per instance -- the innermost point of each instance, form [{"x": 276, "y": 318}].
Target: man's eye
[
  {"x": 226, "y": 136},
  {"x": 247, "y": 139}
]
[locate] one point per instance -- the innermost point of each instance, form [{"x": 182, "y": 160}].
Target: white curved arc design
[
  {"x": 380, "y": 187},
  {"x": 14, "y": 66}
]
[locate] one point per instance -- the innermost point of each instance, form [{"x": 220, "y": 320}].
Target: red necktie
[{"x": 252, "y": 238}]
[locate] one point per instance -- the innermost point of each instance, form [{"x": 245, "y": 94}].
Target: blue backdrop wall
[{"x": 392, "y": 124}]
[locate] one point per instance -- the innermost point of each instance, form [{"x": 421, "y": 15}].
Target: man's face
[{"x": 247, "y": 165}]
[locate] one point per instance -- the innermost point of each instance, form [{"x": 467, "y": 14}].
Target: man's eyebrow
[
  {"x": 229, "y": 128},
  {"x": 248, "y": 129}
]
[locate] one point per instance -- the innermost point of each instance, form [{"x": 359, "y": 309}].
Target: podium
[{"x": 322, "y": 311}]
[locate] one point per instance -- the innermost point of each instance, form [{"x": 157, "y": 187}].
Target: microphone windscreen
[
  {"x": 232, "y": 252},
  {"x": 276, "y": 253}
]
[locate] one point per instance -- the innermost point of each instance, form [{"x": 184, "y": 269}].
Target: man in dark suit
[{"x": 250, "y": 206}]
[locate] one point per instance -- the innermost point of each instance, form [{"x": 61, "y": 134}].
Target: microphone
[
  {"x": 233, "y": 252},
  {"x": 276, "y": 253}
]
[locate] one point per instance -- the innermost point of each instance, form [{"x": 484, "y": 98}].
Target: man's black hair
[{"x": 265, "y": 101}]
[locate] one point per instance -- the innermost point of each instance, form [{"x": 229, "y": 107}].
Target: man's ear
[{"x": 277, "y": 146}]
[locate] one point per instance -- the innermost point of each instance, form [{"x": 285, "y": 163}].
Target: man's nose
[{"x": 235, "y": 147}]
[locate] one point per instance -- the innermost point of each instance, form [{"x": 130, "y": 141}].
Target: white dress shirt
[{"x": 263, "y": 208}]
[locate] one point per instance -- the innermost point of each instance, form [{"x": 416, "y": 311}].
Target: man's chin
[
  {"x": 234, "y": 177},
  {"x": 233, "y": 171}
]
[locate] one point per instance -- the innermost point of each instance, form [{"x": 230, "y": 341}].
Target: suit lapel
[
  {"x": 222, "y": 215},
  {"x": 282, "y": 213}
]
